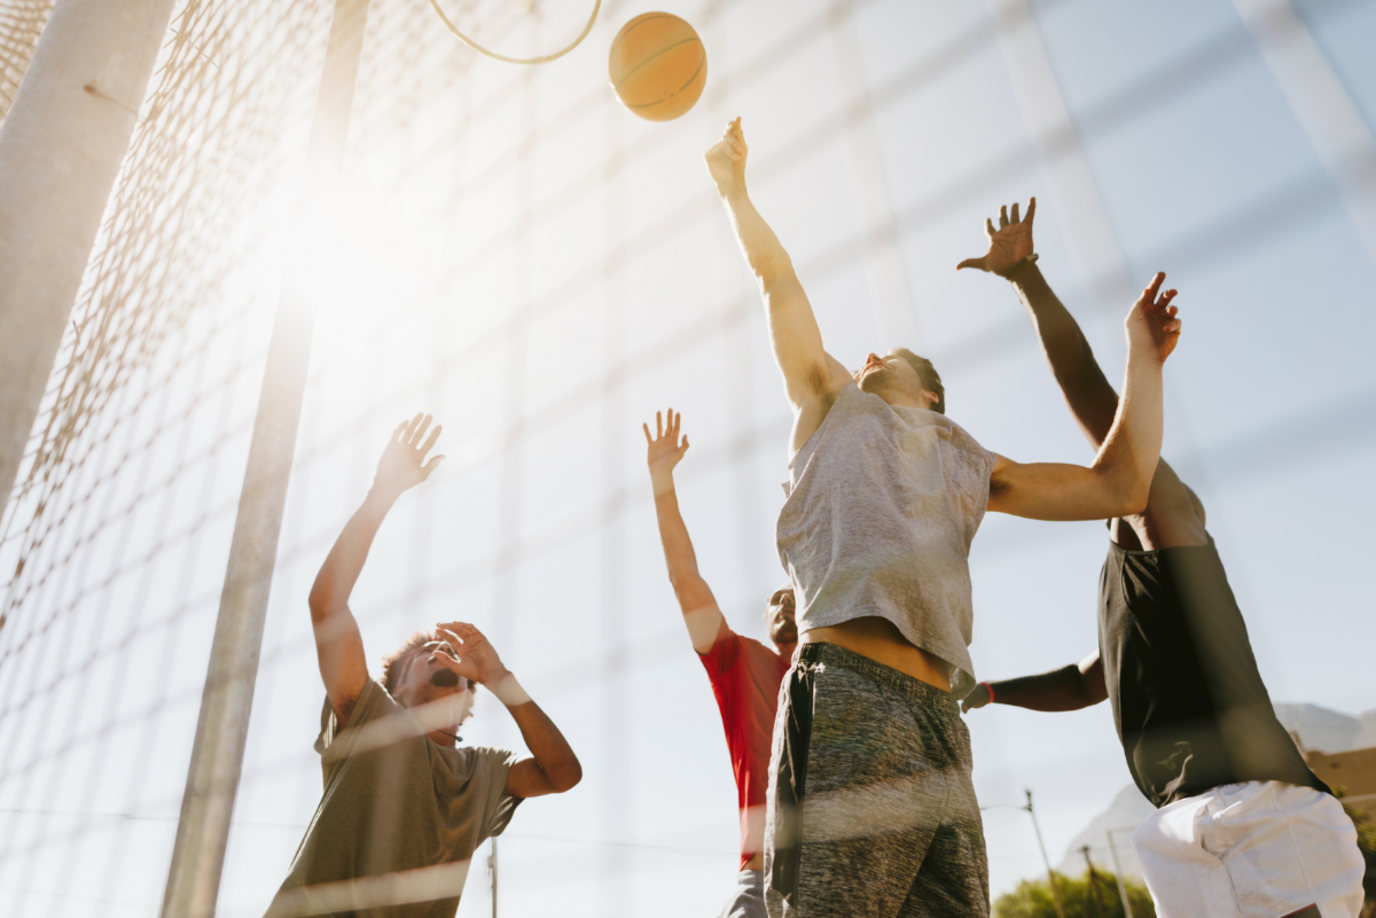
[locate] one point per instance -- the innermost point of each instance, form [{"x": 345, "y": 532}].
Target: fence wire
[{"x": 503, "y": 257}]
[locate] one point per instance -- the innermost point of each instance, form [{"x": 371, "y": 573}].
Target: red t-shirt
[{"x": 745, "y": 678}]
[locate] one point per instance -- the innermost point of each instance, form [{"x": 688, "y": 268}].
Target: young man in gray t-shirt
[
  {"x": 404, "y": 806},
  {"x": 871, "y": 810}
]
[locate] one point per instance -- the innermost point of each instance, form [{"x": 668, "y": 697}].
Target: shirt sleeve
[
  {"x": 373, "y": 702},
  {"x": 487, "y": 787},
  {"x": 723, "y": 653}
]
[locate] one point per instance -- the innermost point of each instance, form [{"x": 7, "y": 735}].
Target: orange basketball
[{"x": 657, "y": 66}]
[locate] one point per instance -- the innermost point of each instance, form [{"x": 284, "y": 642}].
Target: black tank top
[{"x": 1188, "y": 701}]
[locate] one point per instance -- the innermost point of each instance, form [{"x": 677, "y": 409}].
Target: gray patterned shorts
[{"x": 871, "y": 810}]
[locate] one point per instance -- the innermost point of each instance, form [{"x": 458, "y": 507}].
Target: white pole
[
  {"x": 60, "y": 151},
  {"x": 1118, "y": 872},
  {"x": 492, "y": 861},
  {"x": 1050, "y": 876},
  {"x": 193, "y": 880}
]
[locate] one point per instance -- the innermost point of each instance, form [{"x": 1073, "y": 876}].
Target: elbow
[
  {"x": 567, "y": 776},
  {"x": 319, "y": 604},
  {"x": 1132, "y": 501},
  {"x": 1126, "y": 490}
]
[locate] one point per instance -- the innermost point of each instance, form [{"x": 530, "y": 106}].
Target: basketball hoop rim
[{"x": 597, "y": 5}]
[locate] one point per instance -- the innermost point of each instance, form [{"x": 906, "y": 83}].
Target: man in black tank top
[{"x": 1243, "y": 826}]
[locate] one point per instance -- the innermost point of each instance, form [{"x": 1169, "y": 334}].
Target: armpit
[{"x": 816, "y": 380}]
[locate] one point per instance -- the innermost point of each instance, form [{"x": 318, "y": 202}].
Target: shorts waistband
[{"x": 887, "y": 676}]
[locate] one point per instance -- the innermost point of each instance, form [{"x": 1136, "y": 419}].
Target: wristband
[
  {"x": 509, "y": 691},
  {"x": 991, "y": 691},
  {"x": 1018, "y": 266}
]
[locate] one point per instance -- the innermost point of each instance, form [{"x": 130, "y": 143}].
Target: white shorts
[{"x": 1259, "y": 850}]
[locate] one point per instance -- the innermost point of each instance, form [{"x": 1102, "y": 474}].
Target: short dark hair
[
  {"x": 931, "y": 379},
  {"x": 394, "y": 664}
]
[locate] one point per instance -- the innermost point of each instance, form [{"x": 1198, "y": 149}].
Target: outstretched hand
[
  {"x": 403, "y": 464},
  {"x": 1152, "y": 326},
  {"x": 977, "y": 698},
  {"x": 665, "y": 450},
  {"x": 475, "y": 658},
  {"x": 1009, "y": 244},
  {"x": 726, "y": 159}
]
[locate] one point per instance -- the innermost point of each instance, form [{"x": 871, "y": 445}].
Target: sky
[{"x": 512, "y": 251}]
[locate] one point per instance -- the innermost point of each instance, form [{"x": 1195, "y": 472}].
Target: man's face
[
  {"x": 428, "y": 676},
  {"x": 894, "y": 380},
  {"x": 779, "y": 618}
]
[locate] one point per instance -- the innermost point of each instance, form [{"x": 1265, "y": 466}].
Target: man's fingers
[
  {"x": 1014, "y": 216},
  {"x": 1003, "y": 215},
  {"x": 420, "y": 431},
  {"x": 648, "y": 438},
  {"x": 989, "y": 227},
  {"x": 659, "y": 424},
  {"x": 430, "y": 466},
  {"x": 1149, "y": 294},
  {"x": 1031, "y": 211},
  {"x": 430, "y": 440},
  {"x": 410, "y": 427},
  {"x": 401, "y": 428},
  {"x": 971, "y": 263}
]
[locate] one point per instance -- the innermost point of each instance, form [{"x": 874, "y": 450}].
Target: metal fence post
[{"x": 212, "y": 780}]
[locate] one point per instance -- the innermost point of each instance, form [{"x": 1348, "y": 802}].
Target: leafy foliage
[
  {"x": 1032, "y": 898},
  {"x": 1366, "y": 841}
]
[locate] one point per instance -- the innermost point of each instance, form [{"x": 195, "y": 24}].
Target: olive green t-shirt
[{"x": 399, "y": 819}]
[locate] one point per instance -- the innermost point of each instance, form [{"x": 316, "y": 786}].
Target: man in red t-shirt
[{"x": 745, "y": 674}]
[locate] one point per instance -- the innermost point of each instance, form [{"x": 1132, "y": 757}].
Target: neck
[{"x": 443, "y": 737}]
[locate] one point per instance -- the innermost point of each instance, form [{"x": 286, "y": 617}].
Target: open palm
[
  {"x": 1009, "y": 244},
  {"x": 403, "y": 464},
  {"x": 664, "y": 450}
]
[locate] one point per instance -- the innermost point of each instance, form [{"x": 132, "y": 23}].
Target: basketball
[{"x": 657, "y": 66}]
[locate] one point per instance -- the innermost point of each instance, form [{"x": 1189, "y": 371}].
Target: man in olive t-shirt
[{"x": 404, "y": 806}]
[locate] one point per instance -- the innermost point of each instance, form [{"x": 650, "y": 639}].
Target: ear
[{"x": 930, "y": 397}]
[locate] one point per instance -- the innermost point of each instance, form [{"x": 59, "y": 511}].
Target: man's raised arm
[
  {"x": 1173, "y": 515},
  {"x": 1119, "y": 480},
  {"x": 552, "y": 767},
  {"x": 812, "y": 377},
  {"x": 695, "y": 599},
  {"x": 338, "y": 643},
  {"x": 1087, "y": 391}
]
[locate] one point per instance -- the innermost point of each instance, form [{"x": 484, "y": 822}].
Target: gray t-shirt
[
  {"x": 883, "y": 504},
  {"x": 399, "y": 819}
]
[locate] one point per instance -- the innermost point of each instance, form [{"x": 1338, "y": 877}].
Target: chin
[{"x": 873, "y": 383}]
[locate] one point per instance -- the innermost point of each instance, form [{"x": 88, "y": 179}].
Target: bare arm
[
  {"x": 812, "y": 377},
  {"x": 551, "y": 767},
  {"x": 338, "y": 643},
  {"x": 1118, "y": 482},
  {"x": 1066, "y": 689},
  {"x": 700, "y": 611},
  {"x": 1173, "y": 515}
]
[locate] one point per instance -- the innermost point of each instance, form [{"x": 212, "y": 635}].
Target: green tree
[
  {"x": 1032, "y": 898},
  {"x": 1366, "y": 841}
]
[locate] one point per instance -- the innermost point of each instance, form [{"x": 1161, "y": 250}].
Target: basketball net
[{"x": 597, "y": 5}]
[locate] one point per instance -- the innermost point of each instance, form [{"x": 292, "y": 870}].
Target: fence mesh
[{"x": 513, "y": 252}]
